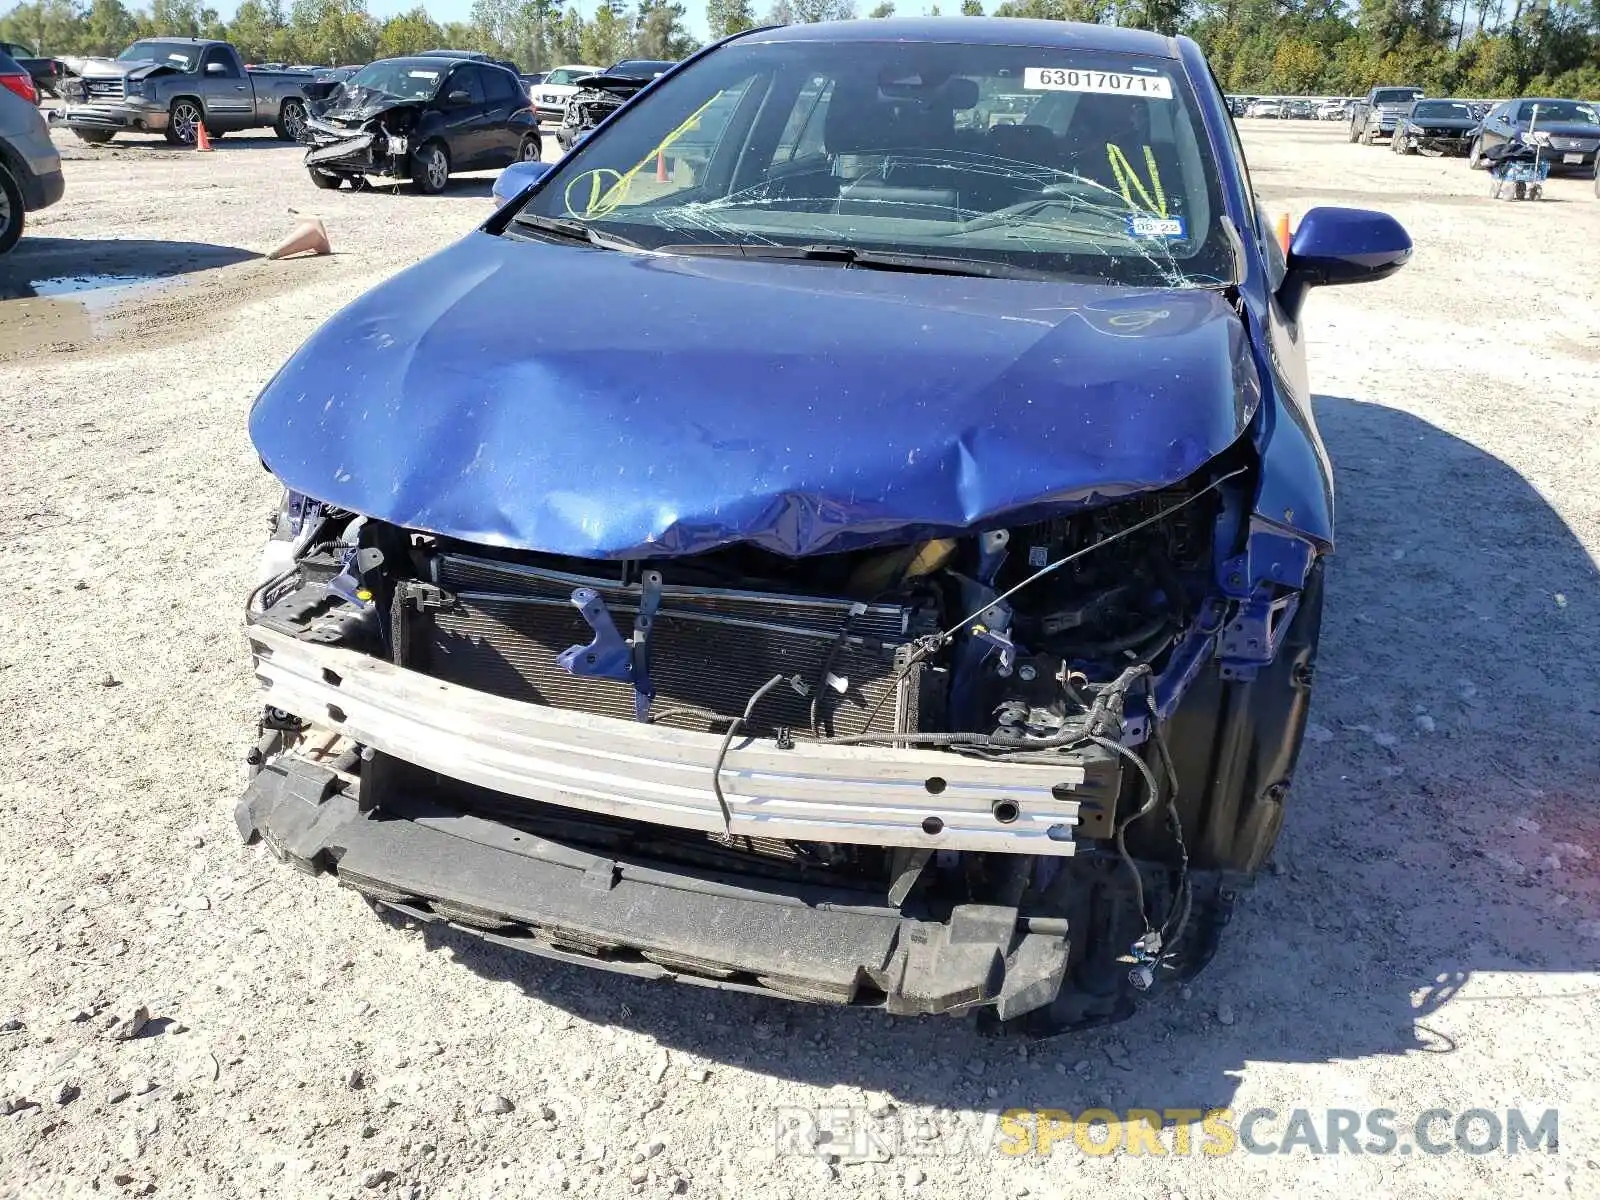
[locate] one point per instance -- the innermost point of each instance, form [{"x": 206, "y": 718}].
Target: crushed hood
[
  {"x": 110, "y": 68},
  {"x": 363, "y": 103},
  {"x": 605, "y": 404}
]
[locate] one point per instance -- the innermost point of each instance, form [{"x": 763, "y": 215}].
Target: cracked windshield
[{"x": 968, "y": 160}]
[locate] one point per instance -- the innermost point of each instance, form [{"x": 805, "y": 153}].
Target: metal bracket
[
  {"x": 1269, "y": 557},
  {"x": 992, "y": 553},
  {"x": 1264, "y": 583},
  {"x": 649, "y": 601},
  {"x": 608, "y": 656},
  {"x": 355, "y": 565},
  {"x": 1251, "y": 639},
  {"x": 996, "y": 632},
  {"x": 427, "y": 597}
]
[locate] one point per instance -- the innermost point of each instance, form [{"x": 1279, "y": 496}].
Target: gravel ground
[{"x": 1428, "y": 937}]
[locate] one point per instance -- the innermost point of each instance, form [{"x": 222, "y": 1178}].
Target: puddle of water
[
  {"x": 67, "y": 308},
  {"x": 95, "y": 292}
]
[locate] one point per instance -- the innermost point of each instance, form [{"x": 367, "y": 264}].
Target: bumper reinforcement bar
[{"x": 811, "y": 792}]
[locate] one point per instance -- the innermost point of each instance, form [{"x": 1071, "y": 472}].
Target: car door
[
  {"x": 461, "y": 110},
  {"x": 1497, "y": 126},
  {"x": 503, "y": 99},
  {"x": 230, "y": 102}
]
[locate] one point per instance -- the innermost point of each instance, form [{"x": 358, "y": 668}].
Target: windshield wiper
[
  {"x": 868, "y": 260},
  {"x": 576, "y": 231}
]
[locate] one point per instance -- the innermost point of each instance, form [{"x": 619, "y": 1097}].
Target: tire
[
  {"x": 325, "y": 180},
  {"x": 95, "y": 137},
  {"x": 291, "y": 122},
  {"x": 530, "y": 150},
  {"x": 183, "y": 119},
  {"x": 1354, "y": 135},
  {"x": 1475, "y": 155},
  {"x": 1597, "y": 183},
  {"x": 1368, "y": 138},
  {"x": 12, "y": 216},
  {"x": 430, "y": 168}
]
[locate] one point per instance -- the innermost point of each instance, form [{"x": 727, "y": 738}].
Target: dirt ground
[{"x": 1428, "y": 937}]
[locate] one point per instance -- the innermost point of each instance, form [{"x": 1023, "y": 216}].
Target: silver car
[{"x": 30, "y": 168}]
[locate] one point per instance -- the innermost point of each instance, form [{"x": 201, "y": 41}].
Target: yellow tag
[{"x": 1129, "y": 182}]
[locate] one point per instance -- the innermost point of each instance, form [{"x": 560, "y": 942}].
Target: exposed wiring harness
[
  {"x": 932, "y": 643},
  {"x": 734, "y": 726}
]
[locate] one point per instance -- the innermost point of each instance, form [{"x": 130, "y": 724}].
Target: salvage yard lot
[{"x": 1429, "y": 936}]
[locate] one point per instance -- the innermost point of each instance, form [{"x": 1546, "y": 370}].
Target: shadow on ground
[{"x": 1451, "y": 758}]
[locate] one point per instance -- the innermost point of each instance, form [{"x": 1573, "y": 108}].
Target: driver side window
[
  {"x": 215, "y": 57},
  {"x": 466, "y": 79}
]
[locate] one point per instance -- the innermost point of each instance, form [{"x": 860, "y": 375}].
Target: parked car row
[
  {"x": 1299, "y": 108},
  {"x": 1565, "y": 134}
]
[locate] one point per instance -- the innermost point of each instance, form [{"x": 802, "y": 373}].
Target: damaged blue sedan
[{"x": 890, "y": 577}]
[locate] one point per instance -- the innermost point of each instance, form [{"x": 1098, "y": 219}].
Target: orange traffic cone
[
  {"x": 309, "y": 236},
  {"x": 201, "y": 140},
  {"x": 661, "y": 167},
  {"x": 1283, "y": 231}
]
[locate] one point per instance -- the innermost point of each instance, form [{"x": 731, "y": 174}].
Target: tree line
[{"x": 1478, "y": 48}]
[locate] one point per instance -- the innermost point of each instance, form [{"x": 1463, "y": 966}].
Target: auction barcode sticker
[{"x": 1111, "y": 83}]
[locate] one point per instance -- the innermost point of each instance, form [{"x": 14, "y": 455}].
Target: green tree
[
  {"x": 258, "y": 28},
  {"x": 46, "y": 27},
  {"x": 606, "y": 38},
  {"x": 659, "y": 31},
  {"x": 725, "y": 17},
  {"x": 107, "y": 28},
  {"x": 885, "y": 9},
  {"x": 331, "y": 31},
  {"x": 796, "y": 12},
  {"x": 566, "y": 38},
  {"x": 406, "y": 33},
  {"x": 972, "y": 8}
]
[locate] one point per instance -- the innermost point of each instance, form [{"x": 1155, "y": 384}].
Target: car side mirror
[
  {"x": 1341, "y": 245},
  {"x": 459, "y": 97},
  {"x": 518, "y": 178},
  {"x": 216, "y": 68}
]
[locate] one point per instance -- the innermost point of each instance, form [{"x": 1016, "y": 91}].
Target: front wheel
[
  {"x": 183, "y": 123},
  {"x": 291, "y": 123},
  {"x": 530, "y": 150},
  {"x": 12, "y": 217},
  {"x": 326, "y": 180},
  {"x": 1354, "y": 134},
  {"x": 430, "y": 169},
  {"x": 1475, "y": 154},
  {"x": 95, "y": 137}
]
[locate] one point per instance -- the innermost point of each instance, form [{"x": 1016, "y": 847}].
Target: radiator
[{"x": 502, "y": 625}]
